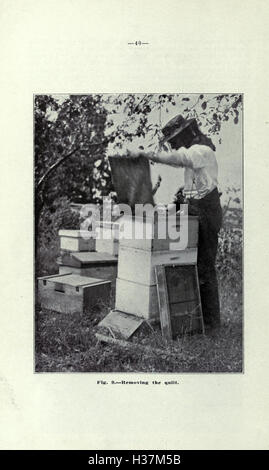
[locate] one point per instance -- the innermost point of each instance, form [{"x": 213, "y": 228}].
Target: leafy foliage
[
  {"x": 58, "y": 216},
  {"x": 73, "y": 134},
  {"x": 230, "y": 252},
  {"x": 140, "y": 113}
]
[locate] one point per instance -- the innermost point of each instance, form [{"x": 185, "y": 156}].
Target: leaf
[
  {"x": 204, "y": 105},
  {"x": 201, "y": 97},
  {"x": 236, "y": 120},
  {"x": 185, "y": 99}
]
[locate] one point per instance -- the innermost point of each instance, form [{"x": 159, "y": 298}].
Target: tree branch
[
  {"x": 139, "y": 103},
  {"x": 61, "y": 160},
  {"x": 54, "y": 166}
]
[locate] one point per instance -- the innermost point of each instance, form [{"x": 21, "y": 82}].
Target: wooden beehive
[
  {"x": 70, "y": 293},
  {"x": 99, "y": 265},
  {"x": 76, "y": 240},
  {"x": 136, "y": 287}
]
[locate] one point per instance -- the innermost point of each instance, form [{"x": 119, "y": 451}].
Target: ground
[{"x": 68, "y": 343}]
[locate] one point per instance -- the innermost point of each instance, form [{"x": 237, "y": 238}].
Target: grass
[{"x": 67, "y": 343}]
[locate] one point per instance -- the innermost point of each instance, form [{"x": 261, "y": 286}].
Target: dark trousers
[{"x": 210, "y": 219}]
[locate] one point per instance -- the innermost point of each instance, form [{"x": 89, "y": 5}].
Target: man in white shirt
[{"x": 192, "y": 150}]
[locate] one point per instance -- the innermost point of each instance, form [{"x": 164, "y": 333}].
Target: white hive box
[
  {"x": 70, "y": 293},
  {"x": 153, "y": 233},
  {"x": 76, "y": 240},
  {"x": 138, "y": 265},
  {"x": 137, "y": 299},
  {"x": 107, "y": 237}
]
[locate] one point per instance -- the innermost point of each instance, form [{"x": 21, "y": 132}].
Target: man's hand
[{"x": 137, "y": 153}]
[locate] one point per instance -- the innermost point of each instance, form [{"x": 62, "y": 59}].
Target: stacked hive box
[
  {"x": 78, "y": 255},
  {"x": 101, "y": 265},
  {"x": 107, "y": 237},
  {"x": 76, "y": 240},
  {"x": 85, "y": 276},
  {"x": 136, "y": 291},
  {"x": 104, "y": 240}
]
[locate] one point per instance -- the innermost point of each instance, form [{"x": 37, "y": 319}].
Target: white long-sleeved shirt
[{"x": 201, "y": 168}]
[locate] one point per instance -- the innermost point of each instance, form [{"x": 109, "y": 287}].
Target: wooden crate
[
  {"x": 152, "y": 233},
  {"x": 76, "y": 240},
  {"x": 93, "y": 264},
  {"x": 70, "y": 293},
  {"x": 138, "y": 265},
  {"x": 137, "y": 299},
  {"x": 179, "y": 300}
]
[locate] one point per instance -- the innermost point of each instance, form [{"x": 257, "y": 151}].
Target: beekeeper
[{"x": 187, "y": 147}]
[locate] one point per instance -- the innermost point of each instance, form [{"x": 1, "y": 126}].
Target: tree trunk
[{"x": 38, "y": 206}]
